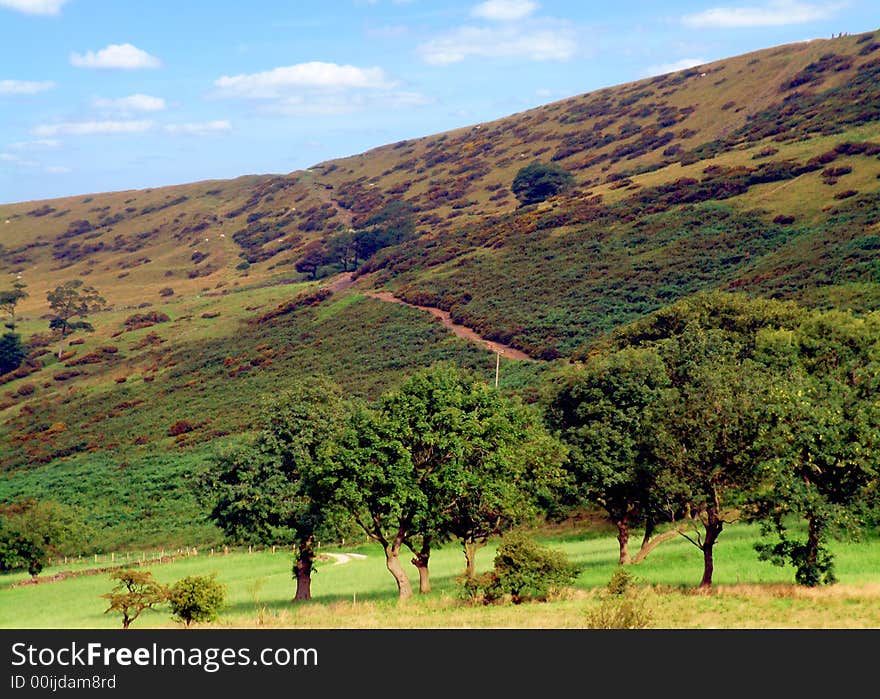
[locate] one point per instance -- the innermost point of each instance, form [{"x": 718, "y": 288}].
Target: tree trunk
[
  {"x": 303, "y": 570},
  {"x": 420, "y": 561},
  {"x": 470, "y": 557},
  {"x": 813, "y": 539},
  {"x": 713, "y": 525},
  {"x": 395, "y": 567},
  {"x": 623, "y": 542},
  {"x": 650, "y": 543}
]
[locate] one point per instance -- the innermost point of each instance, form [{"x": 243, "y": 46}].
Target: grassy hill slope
[{"x": 759, "y": 173}]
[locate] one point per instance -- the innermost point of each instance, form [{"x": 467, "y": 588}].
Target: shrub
[
  {"x": 167, "y": 291},
  {"x": 623, "y": 605},
  {"x": 180, "y": 427},
  {"x": 621, "y": 583},
  {"x": 620, "y": 612},
  {"x": 524, "y": 571},
  {"x": 196, "y": 598}
]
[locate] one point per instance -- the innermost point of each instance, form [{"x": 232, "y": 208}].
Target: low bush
[
  {"x": 623, "y": 605},
  {"x": 196, "y": 598},
  {"x": 525, "y": 571}
]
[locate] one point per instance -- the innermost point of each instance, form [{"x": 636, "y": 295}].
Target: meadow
[{"x": 360, "y": 593}]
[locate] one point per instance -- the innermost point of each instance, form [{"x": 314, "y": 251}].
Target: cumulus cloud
[
  {"x": 330, "y": 104},
  {"x": 203, "y": 128},
  {"x": 35, "y": 7},
  {"x": 24, "y": 87},
  {"x": 92, "y": 128},
  {"x": 538, "y": 44},
  {"x": 675, "y": 66},
  {"x": 115, "y": 56},
  {"x": 772, "y": 14},
  {"x": 505, "y": 10},
  {"x": 132, "y": 103},
  {"x": 318, "y": 88},
  {"x": 279, "y": 82}
]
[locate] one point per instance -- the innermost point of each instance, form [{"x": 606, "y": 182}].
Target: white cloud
[
  {"x": 24, "y": 87},
  {"x": 280, "y": 81},
  {"x": 34, "y": 7},
  {"x": 132, "y": 103},
  {"x": 318, "y": 88},
  {"x": 57, "y": 169},
  {"x": 330, "y": 104},
  {"x": 199, "y": 129},
  {"x": 536, "y": 44},
  {"x": 38, "y": 143},
  {"x": 92, "y": 128},
  {"x": 119, "y": 56},
  {"x": 673, "y": 67},
  {"x": 17, "y": 160},
  {"x": 505, "y": 10},
  {"x": 774, "y": 13}
]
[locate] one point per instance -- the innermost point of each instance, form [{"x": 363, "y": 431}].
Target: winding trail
[
  {"x": 345, "y": 280},
  {"x": 343, "y": 558},
  {"x": 461, "y": 331}
]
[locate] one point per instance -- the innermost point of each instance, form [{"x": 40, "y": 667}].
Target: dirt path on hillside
[
  {"x": 325, "y": 194},
  {"x": 460, "y": 330}
]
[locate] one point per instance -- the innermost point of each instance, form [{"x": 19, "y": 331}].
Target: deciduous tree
[
  {"x": 536, "y": 182},
  {"x": 605, "y": 412},
  {"x": 69, "y": 301},
  {"x": 270, "y": 492},
  {"x": 134, "y": 592},
  {"x": 32, "y": 531}
]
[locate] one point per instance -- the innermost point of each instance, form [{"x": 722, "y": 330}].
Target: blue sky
[{"x": 99, "y": 95}]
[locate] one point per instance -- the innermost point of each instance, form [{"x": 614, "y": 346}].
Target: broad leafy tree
[
  {"x": 10, "y": 299},
  {"x": 372, "y": 478},
  {"x": 71, "y": 304},
  {"x": 269, "y": 492},
  {"x": 33, "y": 531},
  {"x": 539, "y": 181},
  {"x": 314, "y": 256},
  {"x": 481, "y": 461},
  {"x": 134, "y": 592},
  {"x": 444, "y": 456},
  {"x": 605, "y": 413},
  {"x": 822, "y": 481},
  {"x": 713, "y": 436}
]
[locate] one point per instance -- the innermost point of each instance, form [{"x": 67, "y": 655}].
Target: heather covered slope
[{"x": 757, "y": 173}]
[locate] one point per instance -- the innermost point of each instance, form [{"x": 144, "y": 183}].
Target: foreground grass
[{"x": 361, "y": 593}]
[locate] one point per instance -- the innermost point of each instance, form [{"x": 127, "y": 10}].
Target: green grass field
[{"x": 361, "y": 594}]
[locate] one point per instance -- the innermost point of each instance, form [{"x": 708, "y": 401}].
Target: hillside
[{"x": 759, "y": 173}]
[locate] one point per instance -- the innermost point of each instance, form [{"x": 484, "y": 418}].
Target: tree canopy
[
  {"x": 70, "y": 300},
  {"x": 32, "y": 531},
  {"x": 270, "y": 491},
  {"x": 539, "y": 181},
  {"x": 755, "y": 408}
]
